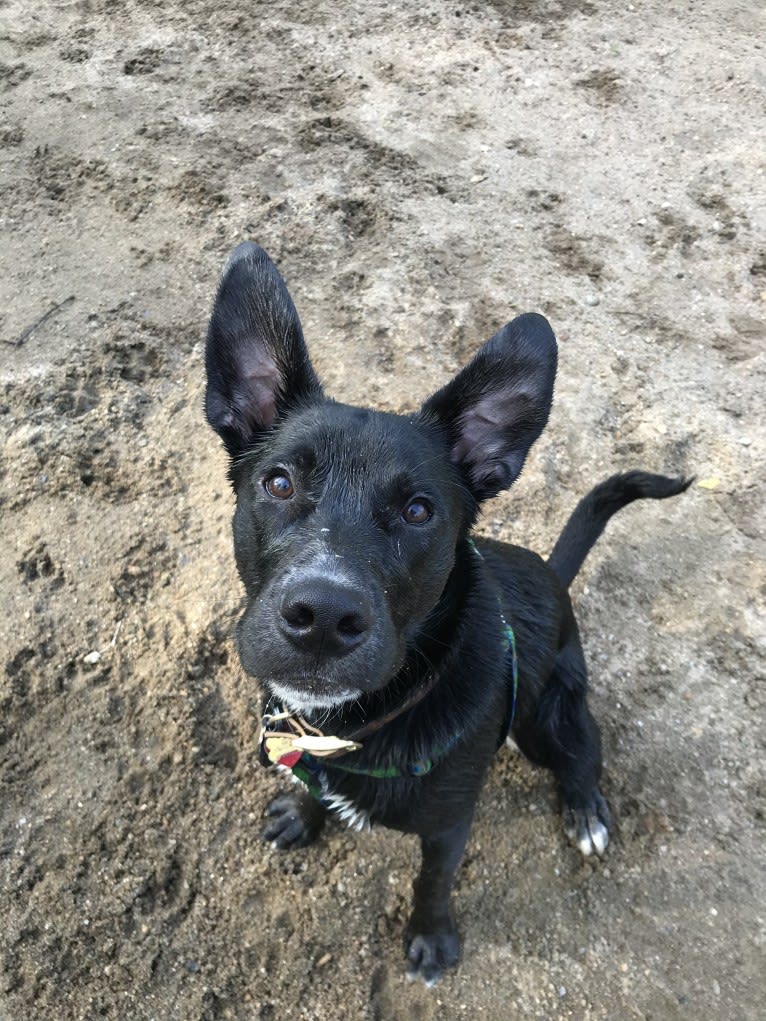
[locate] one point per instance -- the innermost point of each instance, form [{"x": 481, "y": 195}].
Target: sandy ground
[{"x": 421, "y": 173}]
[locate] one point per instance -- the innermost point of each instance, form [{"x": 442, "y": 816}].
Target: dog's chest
[
  {"x": 343, "y": 805},
  {"x": 347, "y": 811}
]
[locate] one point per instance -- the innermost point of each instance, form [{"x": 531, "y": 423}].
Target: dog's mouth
[{"x": 302, "y": 696}]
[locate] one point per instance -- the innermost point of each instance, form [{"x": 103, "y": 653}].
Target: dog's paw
[
  {"x": 293, "y": 821},
  {"x": 588, "y": 827},
  {"x": 429, "y": 954}
]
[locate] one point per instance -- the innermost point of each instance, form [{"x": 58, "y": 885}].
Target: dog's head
[{"x": 348, "y": 520}]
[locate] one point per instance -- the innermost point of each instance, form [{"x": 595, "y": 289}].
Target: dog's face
[
  {"x": 348, "y": 519},
  {"x": 344, "y": 533}
]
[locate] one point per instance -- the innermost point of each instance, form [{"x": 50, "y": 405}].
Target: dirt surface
[{"x": 420, "y": 173}]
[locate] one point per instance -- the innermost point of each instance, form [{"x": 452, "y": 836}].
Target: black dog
[{"x": 395, "y": 652}]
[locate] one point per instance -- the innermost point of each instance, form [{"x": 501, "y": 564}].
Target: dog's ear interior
[
  {"x": 256, "y": 358},
  {"x": 497, "y": 406}
]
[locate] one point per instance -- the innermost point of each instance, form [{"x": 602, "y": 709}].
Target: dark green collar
[{"x": 510, "y": 639}]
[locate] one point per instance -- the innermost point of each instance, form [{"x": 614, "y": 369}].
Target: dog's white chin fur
[{"x": 297, "y": 701}]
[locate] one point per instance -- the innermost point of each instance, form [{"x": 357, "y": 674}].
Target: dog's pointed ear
[
  {"x": 256, "y": 358},
  {"x": 497, "y": 406}
]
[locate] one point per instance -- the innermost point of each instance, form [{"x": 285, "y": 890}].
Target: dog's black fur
[{"x": 351, "y": 535}]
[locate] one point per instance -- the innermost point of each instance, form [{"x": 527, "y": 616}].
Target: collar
[
  {"x": 286, "y": 739},
  {"x": 510, "y": 638},
  {"x": 285, "y": 736}
]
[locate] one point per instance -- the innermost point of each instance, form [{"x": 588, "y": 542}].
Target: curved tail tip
[
  {"x": 657, "y": 487},
  {"x": 681, "y": 483}
]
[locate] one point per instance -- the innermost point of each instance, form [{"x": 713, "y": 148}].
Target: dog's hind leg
[{"x": 564, "y": 737}]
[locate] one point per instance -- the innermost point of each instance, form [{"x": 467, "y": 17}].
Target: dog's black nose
[{"x": 323, "y": 617}]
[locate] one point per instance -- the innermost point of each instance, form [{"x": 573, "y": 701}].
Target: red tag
[{"x": 289, "y": 759}]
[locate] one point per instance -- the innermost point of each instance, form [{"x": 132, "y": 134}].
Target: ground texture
[{"x": 421, "y": 173}]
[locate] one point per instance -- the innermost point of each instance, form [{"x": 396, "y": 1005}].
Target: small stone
[
  {"x": 92, "y": 658},
  {"x": 592, "y": 300}
]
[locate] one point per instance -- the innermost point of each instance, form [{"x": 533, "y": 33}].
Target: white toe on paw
[
  {"x": 593, "y": 838},
  {"x": 599, "y": 835},
  {"x": 585, "y": 845},
  {"x": 588, "y": 832}
]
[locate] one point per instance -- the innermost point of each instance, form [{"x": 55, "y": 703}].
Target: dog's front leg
[
  {"x": 431, "y": 941},
  {"x": 295, "y": 820}
]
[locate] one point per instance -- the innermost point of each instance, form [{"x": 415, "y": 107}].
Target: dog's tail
[{"x": 592, "y": 513}]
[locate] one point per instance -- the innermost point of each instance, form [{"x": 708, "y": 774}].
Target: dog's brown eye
[
  {"x": 417, "y": 512},
  {"x": 279, "y": 486}
]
